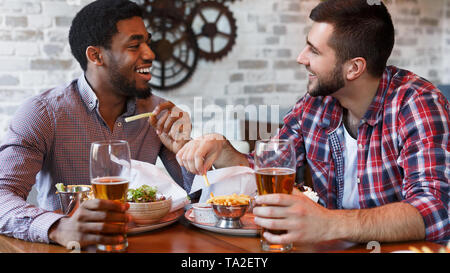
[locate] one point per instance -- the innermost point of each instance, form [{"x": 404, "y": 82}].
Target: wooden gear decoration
[{"x": 184, "y": 31}]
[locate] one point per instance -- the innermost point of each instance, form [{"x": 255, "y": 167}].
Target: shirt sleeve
[
  {"x": 22, "y": 153},
  {"x": 179, "y": 174},
  {"x": 425, "y": 158}
]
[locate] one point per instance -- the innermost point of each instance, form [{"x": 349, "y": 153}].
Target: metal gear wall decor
[
  {"x": 176, "y": 52},
  {"x": 184, "y": 31},
  {"x": 214, "y": 28}
]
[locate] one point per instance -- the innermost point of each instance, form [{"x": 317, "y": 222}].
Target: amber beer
[
  {"x": 110, "y": 188},
  {"x": 274, "y": 180}
]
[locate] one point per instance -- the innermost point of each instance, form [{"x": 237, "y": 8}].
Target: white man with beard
[
  {"x": 48, "y": 140},
  {"x": 376, "y": 138}
]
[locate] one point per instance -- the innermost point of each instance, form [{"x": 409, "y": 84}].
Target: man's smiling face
[
  {"x": 325, "y": 73},
  {"x": 129, "y": 59}
]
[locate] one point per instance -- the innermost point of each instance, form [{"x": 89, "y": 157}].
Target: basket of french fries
[{"x": 229, "y": 209}]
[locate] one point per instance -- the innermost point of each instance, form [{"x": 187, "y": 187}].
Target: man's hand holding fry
[{"x": 172, "y": 125}]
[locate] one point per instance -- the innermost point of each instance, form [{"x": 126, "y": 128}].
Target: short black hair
[
  {"x": 95, "y": 25},
  {"x": 361, "y": 29}
]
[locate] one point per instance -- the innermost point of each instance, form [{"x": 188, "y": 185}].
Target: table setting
[{"x": 221, "y": 221}]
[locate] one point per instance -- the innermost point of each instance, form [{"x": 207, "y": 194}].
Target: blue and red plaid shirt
[{"x": 403, "y": 148}]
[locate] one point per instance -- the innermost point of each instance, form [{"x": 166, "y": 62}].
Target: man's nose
[
  {"x": 302, "y": 59},
  {"x": 148, "y": 53}
]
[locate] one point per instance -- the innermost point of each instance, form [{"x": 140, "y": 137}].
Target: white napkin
[
  {"x": 148, "y": 174},
  {"x": 226, "y": 181}
]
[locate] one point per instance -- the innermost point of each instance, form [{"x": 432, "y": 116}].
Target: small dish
[
  {"x": 169, "y": 219},
  {"x": 229, "y": 216},
  {"x": 149, "y": 212},
  {"x": 249, "y": 228},
  {"x": 204, "y": 213}
]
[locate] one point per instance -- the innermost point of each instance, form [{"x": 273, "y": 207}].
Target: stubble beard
[
  {"x": 326, "y": 87},
  {"x": 125, "y": 86}
]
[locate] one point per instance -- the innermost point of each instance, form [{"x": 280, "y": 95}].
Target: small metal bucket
[{"x": 72, "y": 197}]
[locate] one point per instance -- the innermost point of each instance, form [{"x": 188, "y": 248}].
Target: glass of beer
[
  {"x": 110, "y": 167},
  {"x": 275, "y": 164}
]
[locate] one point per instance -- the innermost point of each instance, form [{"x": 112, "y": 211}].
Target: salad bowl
[{"x": 146, "y": 206}]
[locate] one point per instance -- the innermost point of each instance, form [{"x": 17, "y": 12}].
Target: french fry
[
  {"x": 444, "y": 250},
  {"x": 426, "y": 249},
  {"x": 229, "y": 200},
  {"x": 133, "y": 118},
  {"x": 206, "y": 180},
  {"x": 414, "y": 249}
]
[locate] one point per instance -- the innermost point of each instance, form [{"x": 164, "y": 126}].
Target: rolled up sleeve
[
  {"x": 433, "y": 208},
  {"x": 425, "y": 159}
]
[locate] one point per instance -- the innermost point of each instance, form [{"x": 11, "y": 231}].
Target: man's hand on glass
[
  {"x": 304, "y": 220},
  {"x": 94, "y": 222}
]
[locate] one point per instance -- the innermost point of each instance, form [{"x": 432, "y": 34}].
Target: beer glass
[
  {"x": 275, "y": 164},
  {"x": 110, "y": 165}
]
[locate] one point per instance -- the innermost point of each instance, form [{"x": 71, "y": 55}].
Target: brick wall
[
  {"x": 446, "y": 43},
  {"x": 261, "y": 69}
]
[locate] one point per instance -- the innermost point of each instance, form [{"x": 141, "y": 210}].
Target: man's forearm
[
  {"x": 389, "y": 223},
  {"x": 230, "y": 157}
]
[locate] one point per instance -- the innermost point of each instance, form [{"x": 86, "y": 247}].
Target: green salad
[
  {"x": 60, "y": 187},
  {"x": 144, "y": 194}
]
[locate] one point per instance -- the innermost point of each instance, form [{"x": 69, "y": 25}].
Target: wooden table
[{"x": 182, "y": 237}]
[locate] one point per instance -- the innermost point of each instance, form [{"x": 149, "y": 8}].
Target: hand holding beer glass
[
  {"x": 275, "y": 163},
  {"x": 110, "y": 168}
]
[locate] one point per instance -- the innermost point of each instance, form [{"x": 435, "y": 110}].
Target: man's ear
[
  {"x": 354, "y": 68},
  {"x": 94, "y": 56}
]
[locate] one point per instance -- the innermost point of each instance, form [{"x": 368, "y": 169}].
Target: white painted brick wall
[
  {"x": 261, "y": 69},
  {"x": 446, "y": 44}
]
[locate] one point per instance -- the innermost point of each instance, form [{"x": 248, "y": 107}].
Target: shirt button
[
  {"x": 119, "y": 124},
  {"x": 358, "y": 180},
  {"x": 360, "y": 146}
]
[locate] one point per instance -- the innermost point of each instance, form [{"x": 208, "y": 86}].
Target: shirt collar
[
  {"x": 333, "y": 112},
  {"x": 374, "y": 112},
  {"x": 87, "y": 94},
  {"x": 91, "y": 101}
]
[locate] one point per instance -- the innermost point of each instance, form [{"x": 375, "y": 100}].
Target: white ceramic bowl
[
  {"x": 204, "y": 213},
  {"x": 149, "y": 213}
]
